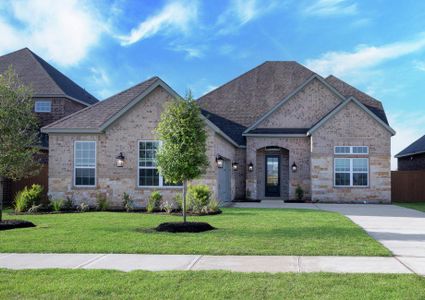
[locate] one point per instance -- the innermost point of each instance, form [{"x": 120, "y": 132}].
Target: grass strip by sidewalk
[{"x": 102, "y": 284}]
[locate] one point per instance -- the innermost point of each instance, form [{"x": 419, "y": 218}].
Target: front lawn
[
  {"x": 414, "y": 205},
  {"x": 102, "y": 284},
  {"x": 240, "y": 232}
]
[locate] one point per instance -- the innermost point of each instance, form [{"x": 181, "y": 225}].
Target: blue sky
[{"x": 106, "y": 46}]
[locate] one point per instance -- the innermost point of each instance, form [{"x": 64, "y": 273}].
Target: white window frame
[
  {"x": 351, "y": 151},
  {"x": 43, "y": 102},
  {"x": 351, "y": 172},
  {"x": 161, "y": 179},
  {"x": 85, "y": 167}
]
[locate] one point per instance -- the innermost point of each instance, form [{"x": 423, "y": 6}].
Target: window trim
[
  {"x": 42, "y": 101},
  {"x": 161, "y": 178},
  {"x": 75, "y": 167},
  {"x": 351, "y": 150},
  {"x": 351, "y": 172}
]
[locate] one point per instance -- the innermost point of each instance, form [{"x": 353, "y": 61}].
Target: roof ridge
[
  {"x": 34, "y": 57},
  {"x": 232, "y": 80},
  {"x": 101, "y": 102}
]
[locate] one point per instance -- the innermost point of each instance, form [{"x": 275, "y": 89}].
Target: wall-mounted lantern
[
  {"x": 219, "y": 160},
  {"x": 120, "y": 160},
  {"x": 235, "y": 166},
  {"x": 250, "y": 167},
  {"x": 294, "y": 167}
]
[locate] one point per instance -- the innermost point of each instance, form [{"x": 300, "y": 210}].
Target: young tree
[
  {"x": 18, "y": 131},
  {"x": 182, "y": 156}
]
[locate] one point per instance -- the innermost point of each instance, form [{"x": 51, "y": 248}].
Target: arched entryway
[{"x": 272, "y": 173}]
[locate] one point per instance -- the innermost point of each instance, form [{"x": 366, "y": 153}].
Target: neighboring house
[
  {"x": 55, "y": 96},
  {"x": 274, "y": 128},
  {"x": 412, "y": 158}
]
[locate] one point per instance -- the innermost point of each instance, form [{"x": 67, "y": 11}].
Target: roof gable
[
  {"x": 44, "y": 79},
  {"x": 302, "y": 87},
  {"x": 417, "y": 147},
  {"x": 337, "y": 109}
]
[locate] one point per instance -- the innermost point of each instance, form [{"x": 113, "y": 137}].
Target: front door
[
  {"x": 272, "y": 188},
  {"x": 224, "y": 185}
]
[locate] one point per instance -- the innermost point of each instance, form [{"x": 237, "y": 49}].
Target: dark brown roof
[
  {"x": 249, "y": 96},
  {"x": 93, "y": 117},
  {"x": 43, "y": 78}
]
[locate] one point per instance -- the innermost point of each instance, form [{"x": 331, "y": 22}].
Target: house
[
  {"x": 270, "y": 130},
  {"x": 55, "y": 96},
  {"x": 412, "y": 158}
]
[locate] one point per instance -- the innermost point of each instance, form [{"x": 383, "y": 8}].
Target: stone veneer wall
[
  {"x": 299, "y": 152},
  {"x": 351, "y": 127},
  {"x": 123, "y": 136}
]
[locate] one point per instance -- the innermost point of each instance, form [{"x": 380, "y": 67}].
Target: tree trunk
[
  {"x": 1, "y": 198},
  {"x": 184, "y": 200}
]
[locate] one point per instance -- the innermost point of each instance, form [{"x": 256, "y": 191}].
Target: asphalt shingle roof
[
  {"x": 279, "y": 131},
  {"x": 240, "y": 102},
  {"x": 93, "y": 117},
  {"x": 416, "y": 147},
  {"x": 43, "y": 78}
]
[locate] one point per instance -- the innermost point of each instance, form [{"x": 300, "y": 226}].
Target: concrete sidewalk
[{"x": 130, "y": 262}]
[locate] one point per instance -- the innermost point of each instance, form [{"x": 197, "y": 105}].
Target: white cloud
[
  {"x": 419, "y": 65},
  {"x": 176, "y": 16},
  {"x": 331, "y": 7},
  {"x": 61, "y": 31},
  {"x": 240, "y": 12},
  {"x": 348, "y": 64},
  {"x": 409, "y": 127},
  {"x": 191, "y": 51}
]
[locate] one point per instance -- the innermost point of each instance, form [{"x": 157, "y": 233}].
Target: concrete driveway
[{"x": 401, "y": 230}]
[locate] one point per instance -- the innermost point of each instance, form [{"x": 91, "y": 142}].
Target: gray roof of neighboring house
[
  {"x": 240, "y": 102},
  {"x": 44, "y": 79},
  {"x": 95, "y": 116},
  {"x": 416, "y": 147}
]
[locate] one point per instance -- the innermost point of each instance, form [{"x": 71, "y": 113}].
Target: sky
[{"x": 106, "y": 46}]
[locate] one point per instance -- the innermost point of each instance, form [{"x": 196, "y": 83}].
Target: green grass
[
  {"x": 418, "y": 206},
  {"x": 102, "y": 284},
  {"x": 240, "y": 232}
]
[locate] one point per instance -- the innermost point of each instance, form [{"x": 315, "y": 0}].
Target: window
[
  {"x": 351, "y": 172},
  {"x": 358, "y": 150},
  {"x": 148, "y": 171},
  {"x": 43, "y": 106},
  {"x": 85, "y": 163}
]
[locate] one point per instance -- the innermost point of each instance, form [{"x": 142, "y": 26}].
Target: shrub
[
  {"x": 28, "y": 197},
  {"x": 299, "y": 192},
  {"x": 167, "y": 206},
  {"x": 102, "y": 202},
  {"x": 199, "y": 197},
  {"x": 83, "y": 207},
  {"x": 214, "y": 205},
  {"x": 128, "y": 203},
  {"x": 57, "y": 204},
  {"x": 178, "y": 200},
  {"x": 67, "y": 204},
  {"x": 154, "y": 201}
]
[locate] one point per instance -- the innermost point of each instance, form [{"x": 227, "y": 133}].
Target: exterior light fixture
[
  {"x": 235, "y": 166},
  {"x": 250, "y": 167},
  {"x": 120, "y": 160},
  {"x": 294, "y": 167},
  {"x": 219, "y": 160}
]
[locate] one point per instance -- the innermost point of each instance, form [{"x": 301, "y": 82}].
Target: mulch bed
[
  {"x": 12, "y": 224},
  {"x": 184, "y": 227}
]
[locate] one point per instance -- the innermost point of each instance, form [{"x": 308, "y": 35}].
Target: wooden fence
[{"x": 408, "y": 186}]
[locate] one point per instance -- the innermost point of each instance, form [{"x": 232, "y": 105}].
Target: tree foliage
[
  {"x": 182, "y": 156},
  {"x": 18, "y": 128}
]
